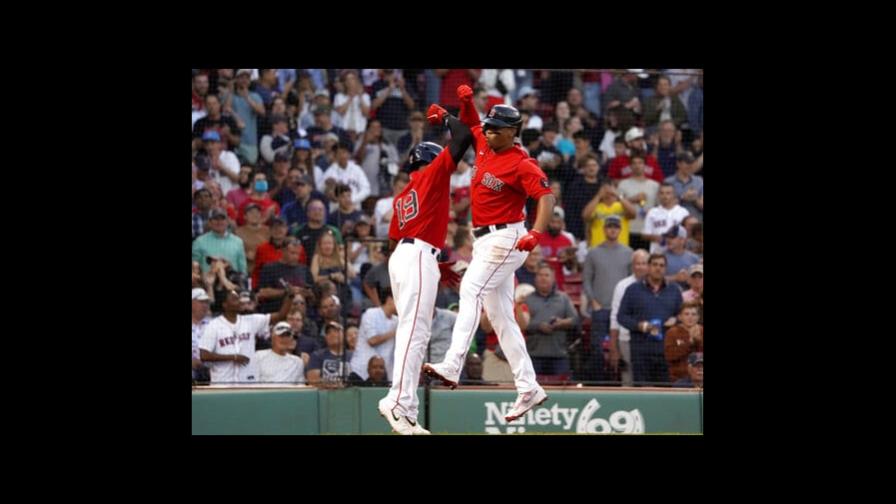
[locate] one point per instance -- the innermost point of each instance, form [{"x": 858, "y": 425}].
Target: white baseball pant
[
  {"x": 488, "y": 283},
  {"x": 414, "y": 273}
]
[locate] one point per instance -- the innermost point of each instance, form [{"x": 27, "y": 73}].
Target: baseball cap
[
  {"x": 639, "y": 72},
  {"x": 526, "y": 91},
  {"x": 304, "y": 179},
  {"x": 558, "y": 212},
  {"x": 633, "y": 133},
  {"x": 685, "y": 156},
  {"x": 281, "y": 157},
  {"x": 199, "y": 295},
  {"x": 245, "y": 296},
  {"x": 217, "y": 213},
  {"x": 282, "y": 328},
  {"x": 278, "y": 221},
  {"x": 203, "y": 163},
  {"x": 211, "y": 136},
  {"x": 364, "y": 220},
  {"x": 302, "y": 144},
  {"x": 250, "y": 206},
  {"x": 243, "y": 71},
  {"x": 695, "y": 358},
  {"x": 612, "y": 220},
  {"x": 322, "y": 92},
  {"x": 322, "y": 110},
  {"x": 697, "y": 268}
]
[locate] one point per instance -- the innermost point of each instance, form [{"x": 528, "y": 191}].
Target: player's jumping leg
[
  {"x": 499, "y": 307},
  {"x": 494, "y": 261}
]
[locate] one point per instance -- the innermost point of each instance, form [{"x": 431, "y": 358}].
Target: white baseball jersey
[
  {"x": 274, "y": 368},
  {"x": 222, "y": 337},
  {"x": 374, "y": 322},
  {"x": 659, "y": 220}
]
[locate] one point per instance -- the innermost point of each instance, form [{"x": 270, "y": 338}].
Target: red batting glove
[
  {"x": 449, "y": 277},
  {"x": 436, "y": 115},
  {"x": 529, "y": 241},
  {"x": 464, "y": 92}
]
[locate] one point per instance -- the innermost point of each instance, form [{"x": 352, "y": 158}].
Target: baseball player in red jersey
[
  {"x": 503, "y": 177},
  {"x": 417, "y": 231}
]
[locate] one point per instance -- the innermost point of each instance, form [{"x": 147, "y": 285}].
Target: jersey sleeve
[
  {"x": 534, "y": 182},
  {"x": 209, "y": 338},
  {"x": 648, "y": 223},
  {"x": 259, "y": 324}
]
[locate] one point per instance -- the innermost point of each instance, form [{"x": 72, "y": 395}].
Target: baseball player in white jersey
[
  {"x": 228, "y": 341},
  {"x": 504, "y": 177}
]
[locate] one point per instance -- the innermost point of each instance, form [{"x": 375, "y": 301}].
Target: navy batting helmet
[
  {"x": 503, "y": 116},
  {"x": 423, "y": 154}
]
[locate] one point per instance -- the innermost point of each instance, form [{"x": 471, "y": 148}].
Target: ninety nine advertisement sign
[
  {"x": 567, "y": 419},
  {"x": 569, "y": 411}
]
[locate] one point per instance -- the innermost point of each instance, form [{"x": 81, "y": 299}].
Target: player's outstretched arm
[
  {"x": 286, "y": 306},
  {"x": 468, "y": 114},
  {"x": 461, "y": 136},
  {"x": 470, "y": 117}
]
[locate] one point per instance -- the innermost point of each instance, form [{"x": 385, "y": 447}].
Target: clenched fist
[
  {"x": 529, "y": 241},
  {"x": 436, "y": 115},
  {"x": 464, "y": 92}
]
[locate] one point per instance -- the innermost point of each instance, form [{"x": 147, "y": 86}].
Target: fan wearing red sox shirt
[
  {"x": 228, "y": 341},
  {"x": 504, "y": 176},
  {"x": 417, "y": 235}
]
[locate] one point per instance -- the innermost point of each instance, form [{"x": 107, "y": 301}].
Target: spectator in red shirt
[
  {"x": 272, "y": 250},
  {"x": 620, "y": 165},
  {"x": 269, "y": 208},
  {"x": 556, "y": 239}
]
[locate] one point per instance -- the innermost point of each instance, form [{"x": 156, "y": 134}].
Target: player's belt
[
  {"x": 484, "y": 230},
  {"x": 434, "y": 251}
]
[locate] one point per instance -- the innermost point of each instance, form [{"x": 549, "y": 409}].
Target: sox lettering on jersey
[
  {"x": 231, "y": 340},
  {"x": 492, "y": 182}
]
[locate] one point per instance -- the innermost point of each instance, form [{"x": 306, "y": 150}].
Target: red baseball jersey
[
  {"x": 502, "y": 181},
  {"x": 421, "y": 210}
]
